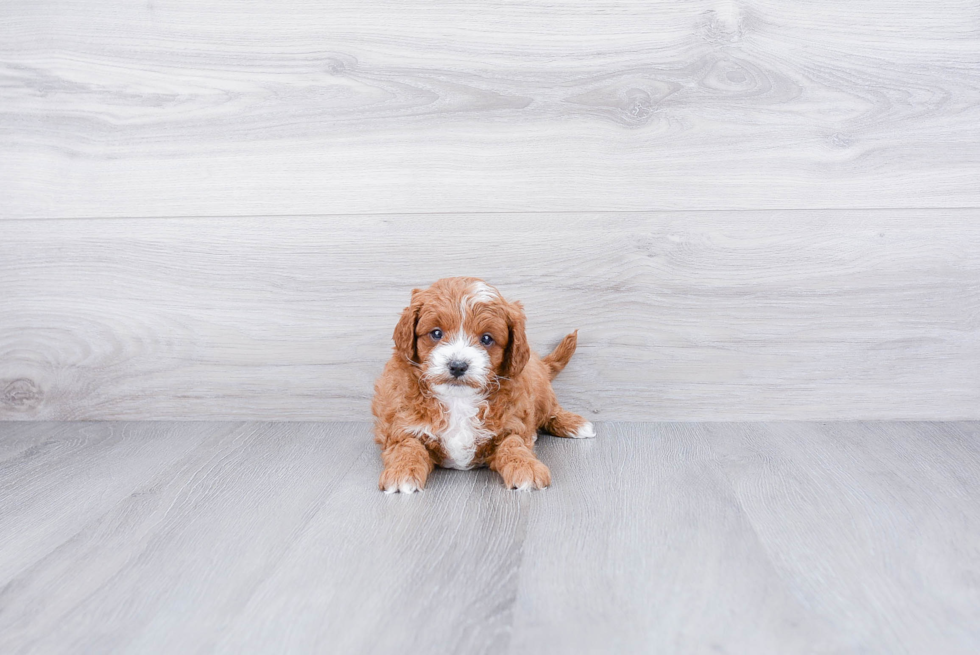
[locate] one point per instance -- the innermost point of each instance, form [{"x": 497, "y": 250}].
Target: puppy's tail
[{"x": 559, "y": 357}]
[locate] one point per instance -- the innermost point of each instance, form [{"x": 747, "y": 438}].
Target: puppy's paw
[
  {"x": 569, "y": 425},
  {"x": 525, "y": 475},
  {"x": 400, "y": 479}
]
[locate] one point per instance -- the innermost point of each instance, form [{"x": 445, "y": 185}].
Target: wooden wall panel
[
  {"x": 683, "y": 315},
  {"x": 184, "y": 108}
]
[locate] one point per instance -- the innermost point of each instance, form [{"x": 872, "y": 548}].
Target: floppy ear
[
  {"x": 404, "y": 335},
  {"x": 518, "y": 351}
]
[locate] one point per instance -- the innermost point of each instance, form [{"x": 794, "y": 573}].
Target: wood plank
[
  {"x": 170, "y": 108},
  {"x": 277, "y": 539},
  {"x": 16, "y": 437},
  {"x": 434, "y": 572},
  {"x": 667, "y": 537},
  {"x": 165, "y": 565},
  {"x": 642, "y": 546},
  {"x": 704, "y": 315},
  {"x": 73, "y": 474},
  {"x": 875, "y": 526},
  {"x": 761, "y": 538}
]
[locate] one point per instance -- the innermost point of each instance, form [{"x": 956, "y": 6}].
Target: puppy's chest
[{"x": 462, "y": 432}]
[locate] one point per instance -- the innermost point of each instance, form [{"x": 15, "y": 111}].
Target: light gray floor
[{"x": 680, "y": 538}]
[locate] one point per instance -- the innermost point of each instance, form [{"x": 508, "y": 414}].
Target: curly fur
[{"x": 490, "y": 416}]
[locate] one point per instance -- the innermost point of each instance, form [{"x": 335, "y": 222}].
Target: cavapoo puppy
[{"x": 463, "y": 389}]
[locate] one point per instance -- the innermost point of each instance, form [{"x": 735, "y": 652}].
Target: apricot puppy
[{"x": 463, "y": 389}]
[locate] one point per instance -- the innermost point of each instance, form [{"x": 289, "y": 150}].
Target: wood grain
[
  {"x": 775, "y": 538},
  {"x": 72, "y": 474},
  {"x": 705, "y": 315},
  {"x": 650, "y": 542},
  {"x": 877, "y": 511},
  {"x": 756, "y": 538},
  {"x": 208, "y": 517},
  {"x": 173, "y": 108}
]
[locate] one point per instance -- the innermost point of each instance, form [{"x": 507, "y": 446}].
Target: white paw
[
  {"x": 587, "y": 431},
  {"x": 393, "y": 483}
]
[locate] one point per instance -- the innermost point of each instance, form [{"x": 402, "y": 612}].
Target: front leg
[
  {"x": 517, "y": 465},
  {"x": 407, "y": 466}
]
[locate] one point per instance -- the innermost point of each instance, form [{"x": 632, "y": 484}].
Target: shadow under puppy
[{"x": 463, "y": 389}]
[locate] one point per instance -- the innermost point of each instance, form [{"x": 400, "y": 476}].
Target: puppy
[{"x": 463, "y": 389}]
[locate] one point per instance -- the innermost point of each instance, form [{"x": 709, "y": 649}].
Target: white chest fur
[{"x": 463, "y": 430}]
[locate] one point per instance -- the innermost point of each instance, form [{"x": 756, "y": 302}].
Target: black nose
[{"x": 457, "y": 368}]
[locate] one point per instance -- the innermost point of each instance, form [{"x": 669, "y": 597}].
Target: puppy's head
[{"x": 460, "y": 333}]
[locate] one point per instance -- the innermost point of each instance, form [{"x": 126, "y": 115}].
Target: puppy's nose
[{"x": 457, "y": 368}]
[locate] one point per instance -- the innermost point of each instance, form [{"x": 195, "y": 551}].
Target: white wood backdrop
[
  {"x": 328, "y": 156},
  {"x": 188, "y": 108},
  {"x": 805, "y": 314}
]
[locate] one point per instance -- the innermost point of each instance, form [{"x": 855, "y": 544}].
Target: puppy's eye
[
  {"x": 486, "y": 339},
  {"x": 436, "y": 334}
]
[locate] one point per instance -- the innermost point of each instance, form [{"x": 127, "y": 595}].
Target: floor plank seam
[{"x": 490, "y": 212}]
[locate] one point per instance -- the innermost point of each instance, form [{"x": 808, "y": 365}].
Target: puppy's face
[{"x": 460, "y": 333}]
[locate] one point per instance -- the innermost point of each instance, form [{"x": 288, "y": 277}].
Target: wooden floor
[{"x": 658, "y": 537}]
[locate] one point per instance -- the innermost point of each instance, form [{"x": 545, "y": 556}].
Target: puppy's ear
[
  {"x": 518, "y": 351},
  {"x": 404, "y": 335}
]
